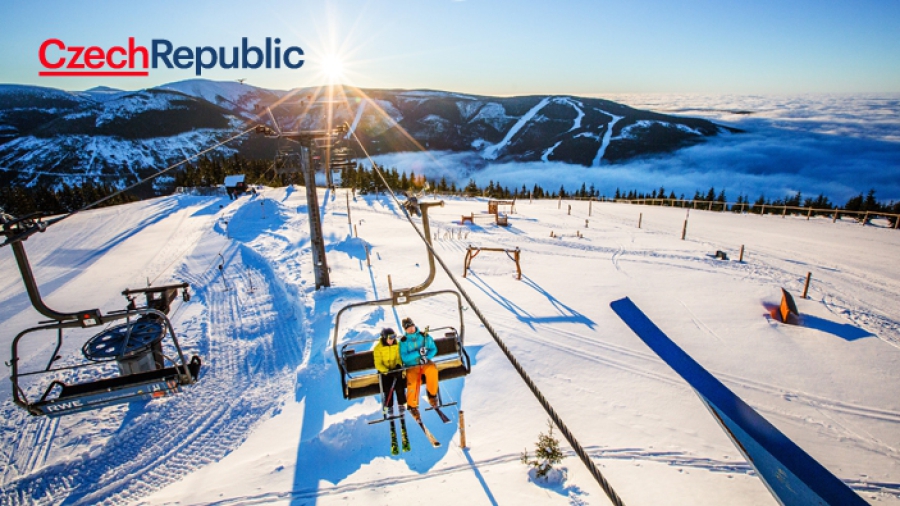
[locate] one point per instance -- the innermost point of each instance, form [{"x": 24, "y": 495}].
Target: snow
[
  {"x": 468, "y": 108},
  {"x": 136, "y": 154},
  {"x": 359, "y": 113},
  {"x": 233, "y": 180},
  {"x": 578, "y": 106},
  {"x": 130, "y": 104},
  {"x": 493, "y": 114},
  {"x": 221, "y": 92},
  {"x": 492, "y": 152},
  {"x": 103, "y": 93},
  {"x": 607, "y": 137},
  {"x": 549, "y": 151},
  {"x": 267, "y": 423}
]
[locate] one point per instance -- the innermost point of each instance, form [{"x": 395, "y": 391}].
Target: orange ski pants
[{"x": 414, "y": 381}]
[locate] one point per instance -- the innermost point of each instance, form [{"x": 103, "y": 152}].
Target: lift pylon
[{"x": 309, "y": 141}]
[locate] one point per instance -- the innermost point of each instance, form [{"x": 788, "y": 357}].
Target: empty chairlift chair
[{"x": 149, "y": 361}]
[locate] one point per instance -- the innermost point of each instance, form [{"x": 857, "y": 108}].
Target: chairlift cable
[{"x": 579, "y": 450}]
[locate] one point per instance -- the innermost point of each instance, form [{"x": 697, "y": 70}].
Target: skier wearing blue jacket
[{"x": 416, "y": 351}]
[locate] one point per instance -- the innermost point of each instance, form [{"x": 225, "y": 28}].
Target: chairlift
[
  {"x": 325, "y": 153},
  {"x": 342, "y": 157},
  {"x": 288, "y": 157},
  {"x": 355, "y": 358},
  {"x": 149, "y": 362}
]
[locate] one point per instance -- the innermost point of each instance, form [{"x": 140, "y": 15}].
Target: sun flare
[{"x": 333, "y": 68}]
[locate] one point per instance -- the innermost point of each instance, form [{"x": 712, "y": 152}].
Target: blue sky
[{"x": 495, "y": 47}]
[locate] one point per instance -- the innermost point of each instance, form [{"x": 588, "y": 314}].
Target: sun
[{"x": 333, "y": 68}]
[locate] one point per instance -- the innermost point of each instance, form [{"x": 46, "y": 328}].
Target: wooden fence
[{"x": 706, "y": 205}]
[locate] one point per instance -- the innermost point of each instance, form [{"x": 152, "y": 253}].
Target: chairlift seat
[
  {"x": 146, "y": 385},
  {"x": 362, "y": 377}
]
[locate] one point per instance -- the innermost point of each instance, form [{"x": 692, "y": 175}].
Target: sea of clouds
[{"x": 836, "y": 145}]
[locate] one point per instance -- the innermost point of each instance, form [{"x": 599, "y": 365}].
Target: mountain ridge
[{"x": 48, "y": 136}]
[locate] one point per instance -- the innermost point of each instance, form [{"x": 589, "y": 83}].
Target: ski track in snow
[
  {"x": 549, "y": 151},
  {"x": 761, "y": 270},
  {"x": 607, "y": 137},
  {"x": 598, "y": 454},
  {"x": 248, "y": 340},
  {"x": 492, "y": 152},
  {"x": 359, "y": 113},
  {"x": 244, "y": 378}
]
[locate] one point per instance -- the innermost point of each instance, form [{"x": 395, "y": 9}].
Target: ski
[
  {"x": 389, "y": 415},
  {"x": 395, "y": 450},
  {"x": 437, "y": 409},
  {"x": 403, "y": 434},
  {"x": 415, "y": 414},
  {"x": 444, "y": 418},
  {"x": 388, "y": 409}
]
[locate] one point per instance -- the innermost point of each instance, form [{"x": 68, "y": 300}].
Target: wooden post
[
  {"x": 836, "y": 215},
  {"x": 462, "y": 430},
  {"x": 529, "y": 196},
  {"x": 806, "y": 286},
  {"x": 763, "y": 211},
  {"x": 368, "y": 261},
  {"x": 783, "y": 211},
  {"x": 684, "y": 229},
  {"x": 865, "y": 218},
  {"x": 390, "y": 285},
  {"x": 518, "y": 268},
  {"x": 570, "y": 209},
  {"x": 349, "y": 221},
  {"x": 897, "y": 221},
  {"x": 354, "y": 231},
  {"x": 710, "y": 205},
  {"x": 741, "y": 259},
  {"x": 590, "y": 205},
  {"x": 585, "y": 223},
  {"x": 640, "y": 219},
  {"x": 559, "y": 202},
  {"x": 808, "y": 213}
]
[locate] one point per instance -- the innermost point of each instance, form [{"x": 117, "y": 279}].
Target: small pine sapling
[{"x": 547, "y": 453}]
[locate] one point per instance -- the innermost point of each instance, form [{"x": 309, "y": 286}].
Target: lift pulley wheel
[{"x": 111, "y": 343}]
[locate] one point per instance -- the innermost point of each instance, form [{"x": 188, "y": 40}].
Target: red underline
[{"x": 69, "y": 73}]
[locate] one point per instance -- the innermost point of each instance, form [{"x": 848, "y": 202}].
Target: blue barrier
[{"x": 790, "y": 474}]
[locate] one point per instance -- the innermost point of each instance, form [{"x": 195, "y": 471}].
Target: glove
[
  {"x": 425, "y": 332},
  {"x": 423, "y": 351}
]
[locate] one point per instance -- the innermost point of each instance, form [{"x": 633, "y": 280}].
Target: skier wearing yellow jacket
[
  {"x": 416, "y": 350},
  {"x": 388, "y": 363}
]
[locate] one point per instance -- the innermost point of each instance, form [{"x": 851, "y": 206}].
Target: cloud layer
[{"x": 836, "y": 145}]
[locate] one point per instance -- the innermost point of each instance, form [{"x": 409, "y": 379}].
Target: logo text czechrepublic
[{"x": 131, "y": 60}]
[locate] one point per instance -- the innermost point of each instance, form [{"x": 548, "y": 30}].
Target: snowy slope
[
  {"x": 236, "y": 96},
  {"x": 266, "y": 423}
]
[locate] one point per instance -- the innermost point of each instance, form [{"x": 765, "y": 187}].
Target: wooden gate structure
[{"x": 470, "y": 256}]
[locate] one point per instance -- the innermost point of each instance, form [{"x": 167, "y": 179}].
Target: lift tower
[{"x": 310, "y": 141}]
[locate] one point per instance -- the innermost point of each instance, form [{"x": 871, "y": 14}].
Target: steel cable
[{"x": 576, "y": 446}]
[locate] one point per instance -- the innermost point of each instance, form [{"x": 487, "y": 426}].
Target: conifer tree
[{"x": 547, "y": 453}]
